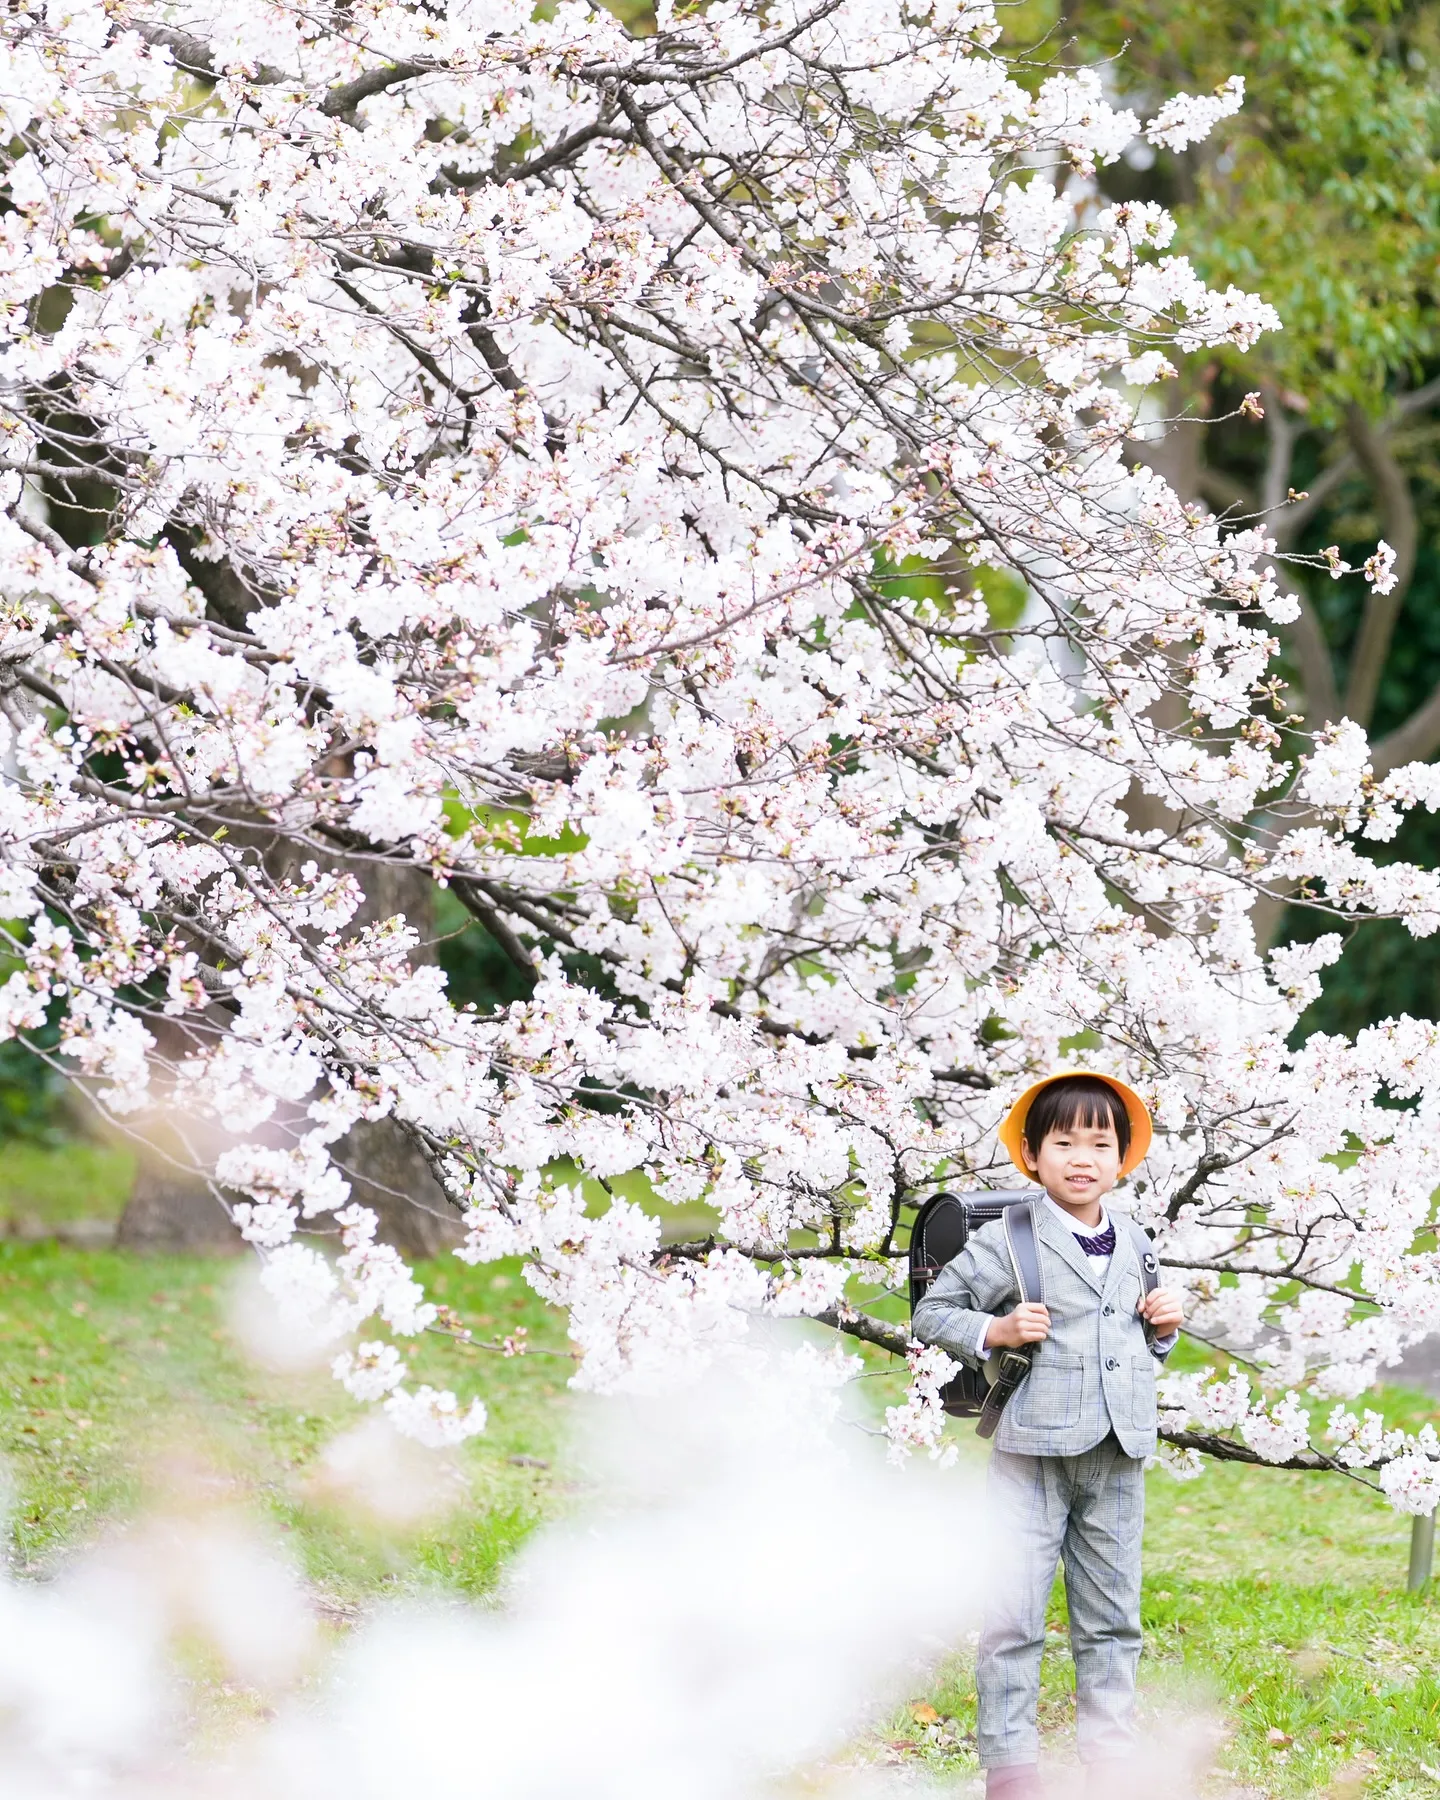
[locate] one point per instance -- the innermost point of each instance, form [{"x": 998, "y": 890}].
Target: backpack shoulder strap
[
  {"x": 1024, "y": 1247},
  {"x": 1014, "y": 1365},
  {"x": 1149, "y": 1264},
  {"x": 1145, "y": 1252}
]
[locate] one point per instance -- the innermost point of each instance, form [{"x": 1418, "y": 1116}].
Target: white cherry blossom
[{"x": 680, "y": 494}]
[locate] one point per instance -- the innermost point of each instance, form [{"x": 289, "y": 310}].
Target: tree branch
[
  {"x": 192, "y": 54},
  {"x": 1208, "y": 1165},
  {"x": 1224, "y": 1449},
  {"x": 893, "y": 1338},
  {"x": 696, "y": 74},
  {"x": 1280, "y": 457},
  {"x": 545, "y": 160},
  {"x": 1416, "y": 740},
  {"x": 344, "y": 99},
  {"x": 1298, "y": 513},
  {"x": 475, "y": 902}
]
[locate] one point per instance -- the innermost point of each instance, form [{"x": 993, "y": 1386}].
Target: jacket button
[
  {"x": 1107, "y": 1310},
  {"x": 1112, "y": 1362}
]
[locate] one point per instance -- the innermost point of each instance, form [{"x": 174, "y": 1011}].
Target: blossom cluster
[
  {"x": 471, "y": 443},
  {"x": 918, "y": 1423}
]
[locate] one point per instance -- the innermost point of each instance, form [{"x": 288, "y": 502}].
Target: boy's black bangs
[{"x": 1079, "y": 1101}]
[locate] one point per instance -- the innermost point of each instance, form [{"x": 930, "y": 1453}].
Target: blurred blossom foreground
[{"x": 735, "y": 1599}]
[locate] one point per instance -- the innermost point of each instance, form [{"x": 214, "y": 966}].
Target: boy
[{"x": 1067, "y": 1472}]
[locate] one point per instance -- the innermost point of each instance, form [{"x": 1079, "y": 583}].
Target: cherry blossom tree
[{"x": 587, "y": 473}]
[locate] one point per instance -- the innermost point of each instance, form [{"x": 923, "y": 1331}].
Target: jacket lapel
[
  {"x": 1061, "y": 1239},
  {"x": 1123, "y": 1262}
]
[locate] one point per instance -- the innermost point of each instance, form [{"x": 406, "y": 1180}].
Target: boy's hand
[
  {"x": 1164, "y": 1310},
  {"x": 1028, "y": 1324}
]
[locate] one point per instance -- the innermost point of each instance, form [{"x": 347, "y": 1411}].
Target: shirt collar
[{"x": 1073, "y": 1224}]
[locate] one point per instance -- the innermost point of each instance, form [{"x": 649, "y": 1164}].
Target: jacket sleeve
[{"x": 966, "y": 1294}]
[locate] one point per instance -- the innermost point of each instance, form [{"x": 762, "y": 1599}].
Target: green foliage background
[{"x": 1323, "y": 195}]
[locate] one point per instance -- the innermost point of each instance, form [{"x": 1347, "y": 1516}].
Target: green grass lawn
[
  {"x": 48, "y": 1187},
  {"x": 1274, "y": 1601},
  {"x": 118, "y": 1377},
  {"x": 1275, "y": 1605}
]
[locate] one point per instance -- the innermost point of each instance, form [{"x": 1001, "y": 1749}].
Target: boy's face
[{"x": 1076, "y": 1166}]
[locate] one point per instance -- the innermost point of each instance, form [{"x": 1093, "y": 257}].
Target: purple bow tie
[{"x": 1104, "y": 1245}]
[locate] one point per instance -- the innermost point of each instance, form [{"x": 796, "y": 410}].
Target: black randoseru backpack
[
  {"x": 942, "y": 1228},
  {"x": 941, "y": 1231}
]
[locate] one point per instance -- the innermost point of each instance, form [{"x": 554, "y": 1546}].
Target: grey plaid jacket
[{"x": 1094, "y": 1374}]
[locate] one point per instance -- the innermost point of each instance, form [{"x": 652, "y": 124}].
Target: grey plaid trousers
[{"x": 1088, "y": 1510}]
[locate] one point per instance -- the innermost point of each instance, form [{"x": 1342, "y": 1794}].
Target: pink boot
[{"x": 1017, "y": 1781}]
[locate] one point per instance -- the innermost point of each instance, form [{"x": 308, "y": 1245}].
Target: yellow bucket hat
[{"x": 1013, "y": 1129}]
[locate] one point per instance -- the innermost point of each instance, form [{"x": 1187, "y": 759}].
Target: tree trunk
[
  {"x": 389, "y": 1175},
  {"x": 174, "y": 1211},
  {"x": 171, "y": 1210},
  {"x": 386, "y": 1171}
]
